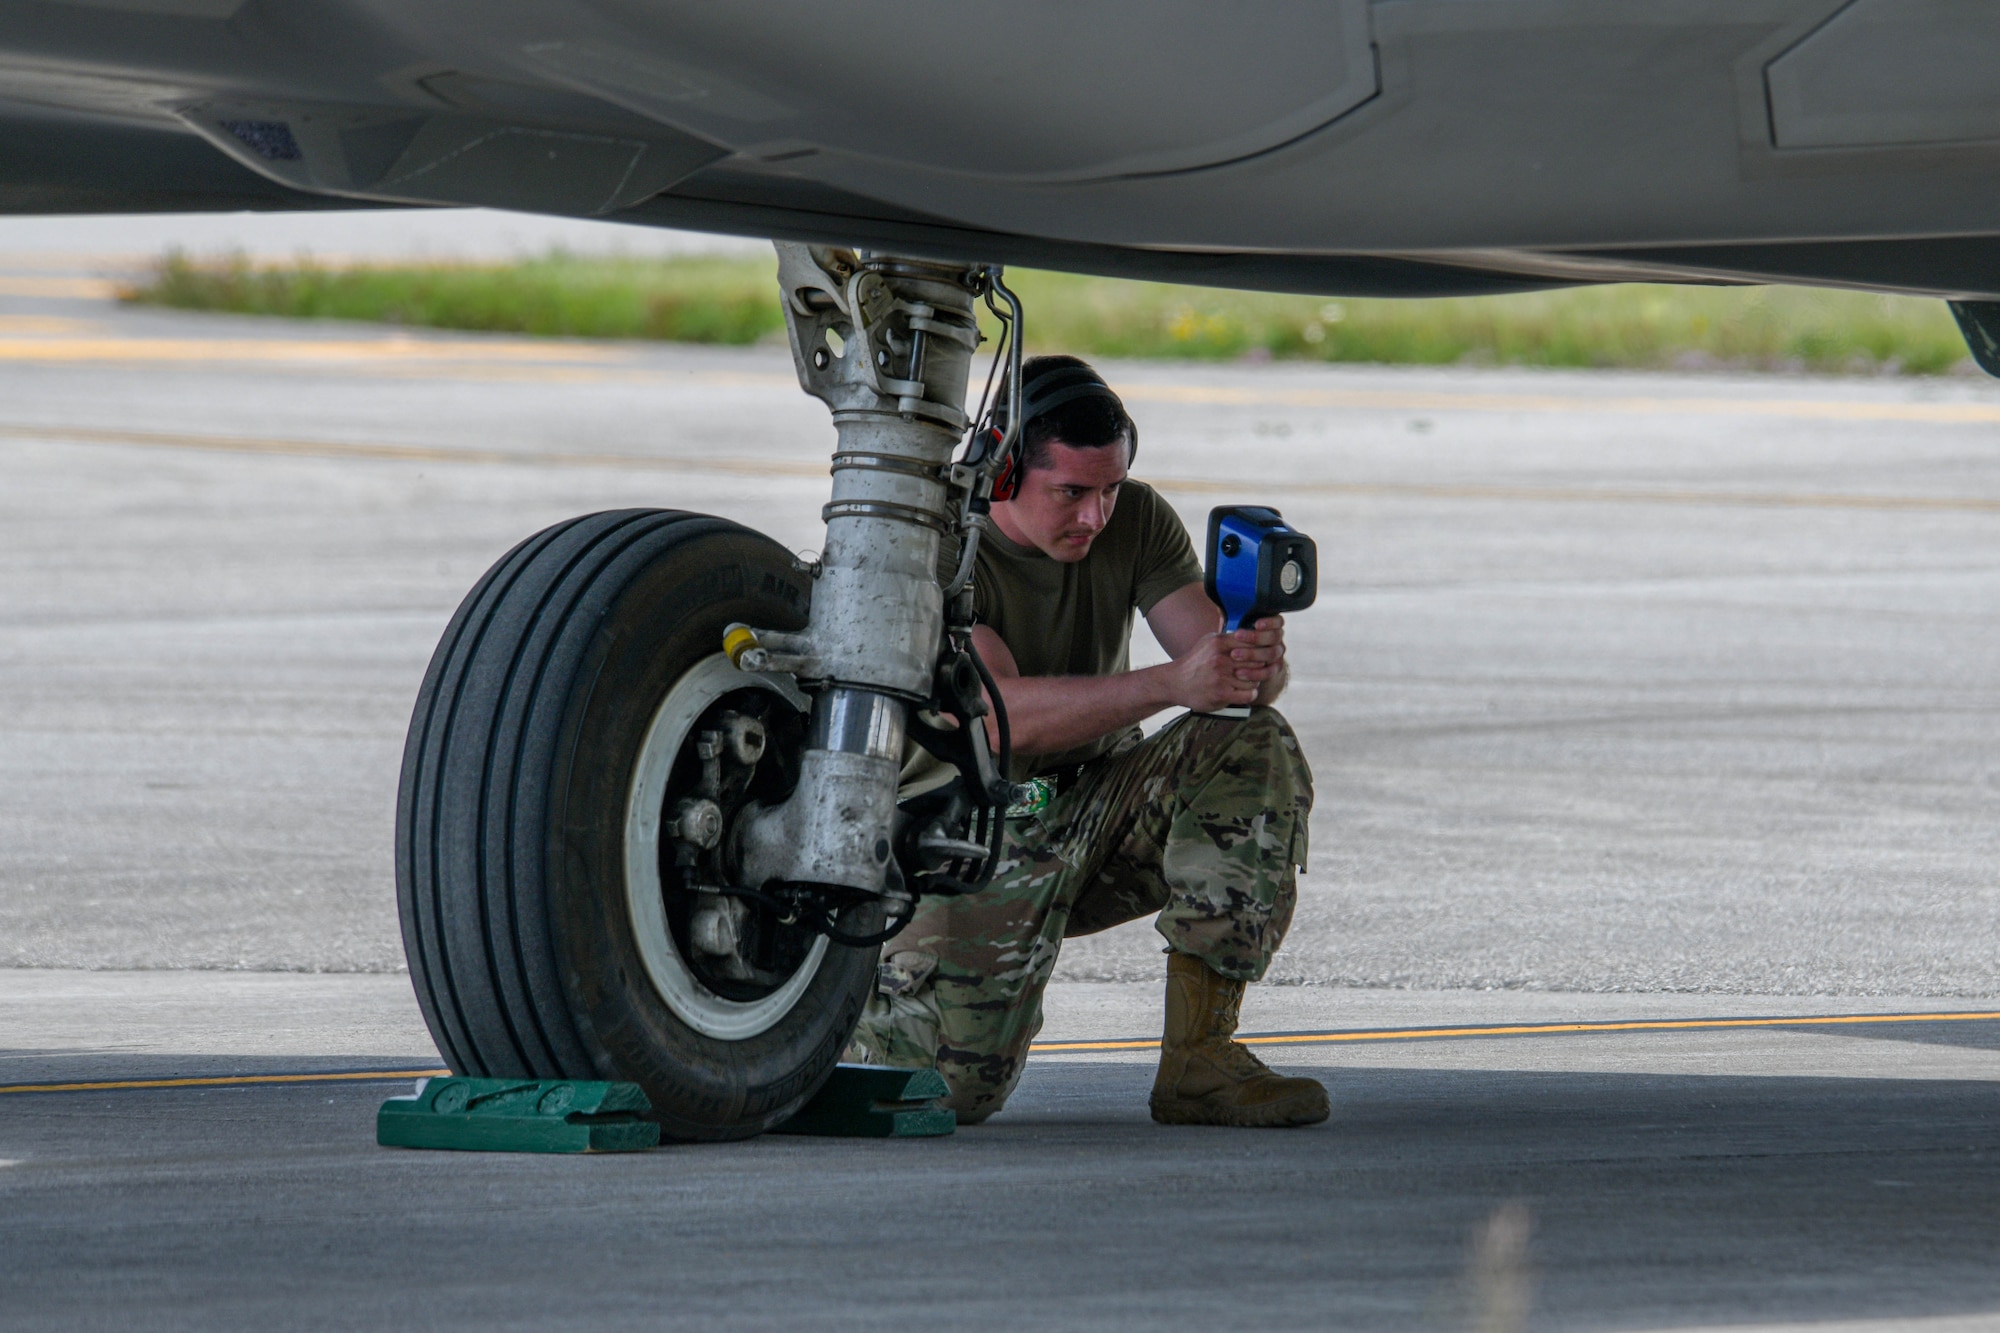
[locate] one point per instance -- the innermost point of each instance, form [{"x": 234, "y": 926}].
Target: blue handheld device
[{"x": 1257, "y": 566}]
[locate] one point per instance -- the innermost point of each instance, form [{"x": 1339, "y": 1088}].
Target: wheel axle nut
[
  {"x": 698, "y": 821},
  {"x": 745, "y": 737}
]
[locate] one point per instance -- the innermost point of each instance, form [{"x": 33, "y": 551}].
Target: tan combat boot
[{"x": 1208, "y": 1079}]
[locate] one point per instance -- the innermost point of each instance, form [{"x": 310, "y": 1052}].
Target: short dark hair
[{"x": 1090, "y": 422}]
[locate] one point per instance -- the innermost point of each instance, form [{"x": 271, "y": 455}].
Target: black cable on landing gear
[
  {"x": 1005, "y": 759},
  {"x": 882, "y": 936},
  {"x": 795, "y": 902},
  {"x": 998, "y": 837}
]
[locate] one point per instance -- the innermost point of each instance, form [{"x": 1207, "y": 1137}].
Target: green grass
[
  {"x": 701, "y": 299},
  {"x": 734, "y": 300}
]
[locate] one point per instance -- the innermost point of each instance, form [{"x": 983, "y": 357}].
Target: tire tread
[{"x": 486, "y": 1017}]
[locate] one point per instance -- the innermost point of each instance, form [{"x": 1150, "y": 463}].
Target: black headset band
[
  {"x": 1045, "y": 404},
  {"x": 1048, "y": 391}
]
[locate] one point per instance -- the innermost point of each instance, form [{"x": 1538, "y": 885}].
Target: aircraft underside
[{"x": 1400, "y": 147}]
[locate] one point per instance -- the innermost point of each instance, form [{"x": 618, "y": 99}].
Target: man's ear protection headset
[{"x": 1045, "y": 392}]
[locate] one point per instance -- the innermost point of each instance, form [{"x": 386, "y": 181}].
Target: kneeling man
[{"x": 1202, "y": 825}]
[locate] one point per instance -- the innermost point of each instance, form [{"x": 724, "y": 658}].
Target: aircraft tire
[{"x": 528, "y": 946}]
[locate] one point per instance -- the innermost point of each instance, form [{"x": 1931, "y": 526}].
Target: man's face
[{"x": 1062, "y": 507}]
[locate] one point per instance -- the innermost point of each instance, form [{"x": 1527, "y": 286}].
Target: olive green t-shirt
[{"x": 1075, "y": 619}]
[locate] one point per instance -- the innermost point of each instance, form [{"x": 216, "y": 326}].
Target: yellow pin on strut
[{"x": 737, "y": 640}]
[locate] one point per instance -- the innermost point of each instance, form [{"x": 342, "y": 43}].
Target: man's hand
[
  {"x": 1230, "y": 670},
  {"x": 1264, "y": 642},
  {"x": 1208, "y": 676}
]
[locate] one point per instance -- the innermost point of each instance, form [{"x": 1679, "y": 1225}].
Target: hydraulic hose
[
  {"x": 1006, "y": 756},
  {"x": 997, "y": 811}
]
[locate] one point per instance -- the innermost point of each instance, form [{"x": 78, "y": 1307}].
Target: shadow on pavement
[{"x": 1971, "y": 1035}]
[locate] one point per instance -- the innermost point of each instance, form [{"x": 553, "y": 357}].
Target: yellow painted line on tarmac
[
  {"x": 16, "y": 325},
  {"x": 776, "y": 467},
  {"x": 72, "y": 289},
  {"x": 1598, "y": 495},
  {"x": 228, "y": 1081},
  {"x": 369, "y": 350},
  {"x": 1536, "y": 1030},
  {"x": 1072, "y": 1047},
  {"x": 514, "y": 360},
  {"x": 447, "y": 356},
  {"x": 411, "y": 453},
  {"x": 1403, "y": 400}
]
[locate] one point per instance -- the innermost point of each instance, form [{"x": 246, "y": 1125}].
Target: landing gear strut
[{"x": 649, "y": 826}]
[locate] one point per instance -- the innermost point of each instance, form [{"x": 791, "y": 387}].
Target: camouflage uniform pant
[{"x": 1202, "y": 823}]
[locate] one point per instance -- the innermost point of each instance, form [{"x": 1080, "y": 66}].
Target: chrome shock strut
[{"x": 887, "y": 344}]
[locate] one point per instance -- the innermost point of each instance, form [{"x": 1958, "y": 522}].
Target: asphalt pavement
[
  {"x": 1682, "y": 1162},
  {"x": 1654, "y": 699}
]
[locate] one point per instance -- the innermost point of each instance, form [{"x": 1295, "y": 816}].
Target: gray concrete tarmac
[
  {"x": 1618, "y": 682},
  {"x": 1629, "y": 698}
]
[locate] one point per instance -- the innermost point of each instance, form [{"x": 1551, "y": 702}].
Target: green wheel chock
[
  {"x": 872, "y": 1102},
  {"x": 518, "y": 1115}
]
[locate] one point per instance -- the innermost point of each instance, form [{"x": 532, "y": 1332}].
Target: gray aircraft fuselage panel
[{"x": 1398, "y": 146}]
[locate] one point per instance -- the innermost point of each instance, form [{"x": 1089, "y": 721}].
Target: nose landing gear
[{"x": 621, "y": 855}]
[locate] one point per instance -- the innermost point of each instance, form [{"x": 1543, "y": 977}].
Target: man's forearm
[{"x": 1050, "y": 714}]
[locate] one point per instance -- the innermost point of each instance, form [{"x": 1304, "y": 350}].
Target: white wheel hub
[{"x": 695, "y": 1004}]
